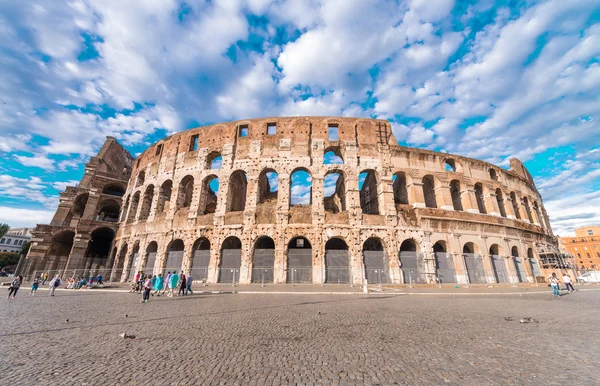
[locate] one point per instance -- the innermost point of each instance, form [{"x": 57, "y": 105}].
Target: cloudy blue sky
[{"x": 485, "y": 79}]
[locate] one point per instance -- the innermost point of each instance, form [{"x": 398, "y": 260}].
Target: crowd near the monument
[{"x": 150, "y": 285}]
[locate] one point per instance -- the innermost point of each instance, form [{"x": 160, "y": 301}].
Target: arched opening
[
  {"x": 515, "y": 204},
  {"x": 164, "y": 197},
  {"x": 335, "y": 192},
  {"x": 60, "y": 249},
  {"x": 147, "y": 203},
  {"x": 498, "y": 265},
  {"x": 108, "y": 211},
  {"x": 268, "y": 186},
  {"x": 200, "y": 259},
  {"x": 474, "y": 264},
  {"x": 151, "y": 251},
  {"x": 455, "y": 194},
  {"x": 375, "y": 261},
  {"x": 214, "y": 160},
  {"x": 78, "y": 207},
  {"x": 444, "y": 264},
  {"x": 299, "y": 261},
  {"x": 209, "y": 195},
  {"x": 300, "y": 188},
  {"x": 337, "y": 262},
  {"x": 333, "y": 156},
  {"x": 98, "y": 248},
  {"x": 236, "y": 192},
  {"x": 367, "y": 184},
  {"x": 134, "y": 262},
  {"x": 493, "y": 174},
  {"x": 114, "y": 190},
  {"x": 535, "y": 268},
  {"x": 231, "y": 260},
  {"x": 480, "y": 198},
  {"x": 174, "y": 257},
  {"x": 400, "y": 190},
  {"x": 538, "y": 215},
  {"x": 263, "y": 260},
  {"x": 429, "y": 192},
  {"x": 185, "y": 193},
  {"x": 519, "y": 267},
  {"x": 500, "y": 200},
  {"x": 449, "y": 165},
  {"x": 411, "y": 263},
  {"x": 527, "y": 209},
  {"x": 141, "y": 177},
  {"x": 135, "y": 201}
]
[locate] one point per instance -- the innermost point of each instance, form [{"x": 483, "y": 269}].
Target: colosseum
[{"x": 299, "y": 200}]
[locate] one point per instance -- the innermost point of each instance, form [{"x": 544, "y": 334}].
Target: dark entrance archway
[
  {"x": 473, "y": 264},
  {"x": 499, "y": 265},
  {"x": 411, "y": 263},
  {"x": 151, "y": 251},
  {"x": 444, "y": 264},
  {"x": 231, "y": 260},
  {"x": 375, "y": 261},
  {"x": 96, "y": 254},
  {"x": 263, "y": 261},
  {"x": 200, "y": 259},
  {"x": 337, "y": 262},
  {"x": 299, "y": 261},
  {"x": 174, "y": 257}
]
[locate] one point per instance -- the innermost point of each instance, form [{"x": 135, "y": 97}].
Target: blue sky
[{"x": 485, "y": 79}]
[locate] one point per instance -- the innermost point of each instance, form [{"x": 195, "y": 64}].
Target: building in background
[
  {"x": 14, "y": 240},
  {"x": 584, "y": 247}
]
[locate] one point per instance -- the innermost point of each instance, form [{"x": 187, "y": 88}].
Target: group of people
[
  {"x": 39, "y": 280},
  {"x": 150, "y": 285},
  {"x": 82, "y": 282},
  {"x": 555, "y": 283}
]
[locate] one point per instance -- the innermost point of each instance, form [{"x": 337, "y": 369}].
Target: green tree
[
  {"x": 4, "y": 228},
  {"x": 9, "y": 258},
  {"x": 25, "y": 248}
]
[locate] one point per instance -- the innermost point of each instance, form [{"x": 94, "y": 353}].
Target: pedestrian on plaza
[
  {"x": 182, "y": 284},
  {"x": 554, "y": 284},
  {"x": 167, "y": 281},
  {"x": 34, "y": 286},
  {"x": 14, "y": 286},
  {"x": 568, "y": 284},
  {"x": 188, "y": 287},
  {"x": 100, "y": 280},
  {"x": 159, "y": 284},
  {"x": 44, "y": 277},
  {"x": 91, "y": 281},
  {"x": 54, "y": 284},
  {"x": 173, "y": 283},
  {"x": 147, "y": 288}
]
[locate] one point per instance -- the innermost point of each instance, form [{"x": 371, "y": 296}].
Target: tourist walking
[
  {"x": 568, "y": 284},
  {"x": 14, "y": 286},
  {"x": 100, "y": 282},
  {"x": 182, "y": 285},
  {"x": 167, "y": 281},
  {"x": 554, "y": 284},
  {"x": 44, "y": 277},
  {"x": 54, "y": 284},
  {"x": 34, "y": 286},
  {"x": 173, "y": 280},
  {"x": 188, "y": 287},
  {"x": 159, "y": 284},
  {"x": 147, "y": 288}
]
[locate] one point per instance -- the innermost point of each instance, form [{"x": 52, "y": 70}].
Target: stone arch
[
  {"x": 334, "y": 197},
  {"x": 450, "y": 165},
  {"x": 479, "y": 197},
  {"x": 455, "y": 194},
  {"x": 515, "y": 205},
  {"x": 337, "y": 261},
  {"x": 150, "y": 258},
  {"x": 500, "y": 200},
  {"x": 474, "y": 263},
  {"x": 375, "y": 261},
  {"x": 133, "y": 263},
  {"x": 164, "y": 197},
  {"x": 140, "y": 179},
  {"x": 209, "y": 195},
  {"x": 268, "y": 186},
  {"x": 108, "y": 210},
  {"x": 263, "y": 260},
  {"x": 236, "y": 192},
  {"x": 332, "y": 156},
  {"x": 444, "y": 263},
  {"x": 429, "y": 191},
  {"x": 185, "y": 192},
  {"x": 174, "y": 259},
  {"x": 146, "y": 202},
  {"x": 60, "y": 249},
  {"x": 231, "y": 260},
  {"x": 214, "y": 160},
  {"x": 79, "y": 205},
  {"x": 399, "y": 188},
  {"x": 135, "y": 201},
  {"x": 98, "y": 248},
  {"x": 200, "y": 259},
  {"x": 300, "y": 187},
  {"x": 113, "y": 189},
  {"x": 411, "y": 262},
  {"x": 498, "y": 264},
  {"x": 369, "y": 194},
  {"x": 299, "y": 260},
  {"x": 493, "y": 174},
  {"x": 527, "y": 209}
]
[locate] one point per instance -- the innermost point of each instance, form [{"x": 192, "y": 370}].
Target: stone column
[
  {"x": 386, "y": 196},
  {"x": 415, "y": 194},
  {"x": 76, "y": 259},
  {"x": 283, "y": 199},
  {"x": 508, "y": 206},
  {"x": 469, "y": 200},
  {"x": 444, "y": 198},
  {"x": 458, "y": 258}
]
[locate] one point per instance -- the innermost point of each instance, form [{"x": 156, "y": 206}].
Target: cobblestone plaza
[{"x": 271, "y": 339}]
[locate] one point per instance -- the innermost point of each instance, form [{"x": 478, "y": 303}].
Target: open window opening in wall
[
  {"x": 208, "y": 197},
  {"x": 479, "y": 198},
  {"x": 335, "y": 192},
  {"x": 164, "y": 197},
  {"x": 185, "y": 193},
  {"x": 135, "y": 201},
  {"x": 332, "y": 132},
  {"x": 455, "y": 193},
  {"x": 271, "y": 128},
  {"x": 515, "y": 204},
  {"x": 214, "y": 160},
  {"x": 367, "y": 184},
  {"x": 159, "y": 149},
  {"x": 429, "y": 192},
  {"x": 400, "y": 190},
  {"x": 109, "y": 211},
  {"x": 236, "y": 192},
  {"x": 114, "y": 190},
  {"x": 268, "y": 186},
  {"x": 243, "y": 131},
  {"x": 493, "y": 174},
  {"x": 301, "y": 188},
  {"x": 141, "y": 177},
  {"x": 193, "y": 143},
  {"x": 449, "y": 165},
  {"x": 333, "y": 156},
  {"x": 147, "y": 202},
  {"x": 500, "y": 200},
  {"x": 99, "y": 247}
]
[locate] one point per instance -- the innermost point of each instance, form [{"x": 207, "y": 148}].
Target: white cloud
[
  {"x": 38, "y": 161},
  {"x": 24, "y": 218}
]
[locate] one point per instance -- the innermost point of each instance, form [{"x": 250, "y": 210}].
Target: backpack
[{"x": 57, "y": 282}]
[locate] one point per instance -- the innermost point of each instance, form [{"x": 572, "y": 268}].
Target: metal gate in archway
[
  {"x": 535, "y": 268},
  {"x": 149, "y": 267},
  {"x": 134, "y": 266},
  {"x": 521, "y": 275},
  {"x": 229, "y": 268},
  {"x": 299, "y": 265},
  {"x": 475, "y": 271},
  {"x": 376, "y": 270},
  {"x": 174, "y": 260},
  {"x": 263, "y": 265},
  {"x": 444, "y": 264},
  {"x": 337, "y": 266},
  {"x": 500, "y": 271},
  {"x": 412, "y": 267},
  {"x": 200, "y": 261}
]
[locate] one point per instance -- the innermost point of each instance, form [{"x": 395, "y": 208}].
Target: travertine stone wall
[{"x": 408, "y": 193}]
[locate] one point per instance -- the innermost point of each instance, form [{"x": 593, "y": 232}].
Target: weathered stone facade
[
  {"x": 419, "y": 216},
  {"x": 82, "y": 231}
]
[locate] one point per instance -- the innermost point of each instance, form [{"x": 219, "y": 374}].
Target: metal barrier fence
[
  {"x": 264, "y": 275},
  {"x": 337, "y": 275},
  {"x": 299, "y": 275},
  {"x": 377, "y": 276},
  {"x": 229, "y": 275}
]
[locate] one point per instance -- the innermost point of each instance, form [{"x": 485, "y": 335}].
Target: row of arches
[{"x": 337, "y": 262}]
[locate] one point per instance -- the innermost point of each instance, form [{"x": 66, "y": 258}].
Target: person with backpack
[
  {"x": 34, "y": 286},
  {"x": 99, "y": 280},
  {"x": 14, "y": 286},
  {"x": 173, "y": 280},
  {"x": 147, "y": 288},
  {"x": 188, "y": 287},
  {"x": 54, "y": 284},
  {"x": 182, "y": 285}
]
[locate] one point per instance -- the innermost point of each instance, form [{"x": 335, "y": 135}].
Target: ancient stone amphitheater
[{"x": 326, "y": 200}]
